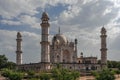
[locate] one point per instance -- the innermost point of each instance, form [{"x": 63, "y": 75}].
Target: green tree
[
  {"x": 12, "y": 75},
  {"x": 31, "y": 73},
  {"x": 56, "y": 73},
  {"x": 4, "y": 63},
  {"x": 113, "y": 64},
  {"x": 117, "y": 72},
  {"x": 64, "y": 74},
  {"x": 15, "y": 76},
  {"x": 5, "y": 72},
  {"x": 10, "y": 65},
  {"x": 75, "y": 74},
  {"x": 95, "y": 73},
  {"x": 45, "y": 76},
  {"x": 105, "y": 74},
  {"x": 118, "y": 65}
]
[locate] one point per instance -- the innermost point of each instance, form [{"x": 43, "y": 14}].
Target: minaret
[
  {"x": 103, "y": 48},
  {"x": 75, "y": 54},
  {"x": 45, "y": 44},
  {"x": 19, "y": 51}
]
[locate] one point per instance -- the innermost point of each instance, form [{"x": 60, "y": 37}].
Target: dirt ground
[
  {"x": 2, "y": 78},
  {"x": 87, "y": 78},
  {"x": 81, "y": 78},
  {"x": 92, "y": 78}
]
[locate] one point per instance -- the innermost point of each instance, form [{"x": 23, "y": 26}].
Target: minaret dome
[
  {"x": 103, "y": 30},
  {"x": 45, "y": 16},
  {"x": 19, "y": 35}
]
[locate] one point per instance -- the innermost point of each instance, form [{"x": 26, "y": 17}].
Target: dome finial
[{"x": 44, "y": 9}]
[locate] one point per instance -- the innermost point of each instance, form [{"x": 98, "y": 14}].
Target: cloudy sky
[{"x": 81, "y": 19}]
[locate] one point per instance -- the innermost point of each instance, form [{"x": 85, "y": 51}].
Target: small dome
[
  {"x": 57, "y": 41},
  {"x": 45, "y": 15},
  {"x": 62, "y": 39},
  {"x": 19, "y": 34},
  {"x": 71, "y": 44},
  {"x": 103, "y": 30}
]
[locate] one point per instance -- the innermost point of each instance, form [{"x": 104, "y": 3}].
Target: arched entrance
[
  {"x": 66, "y": 56},
  {"x": 93, "y": 68},
  {"x": 87, "y": 68}
]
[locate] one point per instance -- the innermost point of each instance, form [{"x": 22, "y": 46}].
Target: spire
[
  {"x": 45, "y": 10},
  {"x": 59, "y": 30}
]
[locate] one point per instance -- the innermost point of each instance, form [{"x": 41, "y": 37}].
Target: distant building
[{"x": 61, "y": 50}]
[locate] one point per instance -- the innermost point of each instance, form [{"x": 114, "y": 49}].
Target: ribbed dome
[
  {"x": 57, "y": 41},
  {"x": 103, "y": 30},
  {"x": 45, "y": 16},
  {"x": 62, "y": 39},
  {"x": 19, "y": 34}
]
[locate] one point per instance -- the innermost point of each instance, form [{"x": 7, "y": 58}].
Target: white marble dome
[{"x": 62, "y": 39}]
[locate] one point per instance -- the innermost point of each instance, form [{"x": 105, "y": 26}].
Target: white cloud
[
  {"x": 29, "y": 20},
  {"x": 10, "y": 22},
  {"x": 88, "y": 41},
  {"x": 89, "y": 14},
  {"x": 72, "y": 12},
  {"x": 7, "y": 43},
  {"x": 30, "y": 45},
  {"x": 11, "y": 9},
  {"x": 81, "y": 18}
]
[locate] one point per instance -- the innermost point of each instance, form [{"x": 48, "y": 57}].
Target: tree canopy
[
  {"x": 105, "y": 74},
  {"x": 4, "y": 63},
  {"x": 60, "y": 73},
  {"x": 113, "y": 64},
  {"x": 12, "y": 75}
]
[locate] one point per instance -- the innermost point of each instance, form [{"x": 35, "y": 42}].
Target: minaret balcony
[
  {"x": 18, "y": 39},
  {"x": 18, "y": 51},
  {"x": 103, "y": 49},
  {"x": 45, "y": 42},
  {"x": 45, "y": 24},
  {"x": 103, "y": 36}
]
